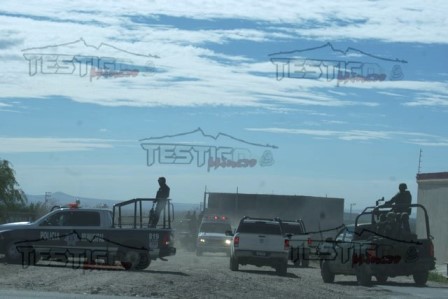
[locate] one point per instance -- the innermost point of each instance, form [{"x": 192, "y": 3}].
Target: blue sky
[{"x": 83, "y": 85}]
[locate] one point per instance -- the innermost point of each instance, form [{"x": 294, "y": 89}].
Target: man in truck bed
[{"x": 90, "y": 234}]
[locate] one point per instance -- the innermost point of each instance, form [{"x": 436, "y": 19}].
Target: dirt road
[{"x": 188, "y": 276}]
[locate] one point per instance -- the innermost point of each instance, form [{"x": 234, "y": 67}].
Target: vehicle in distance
[
  {"x": 91, "y": 235},
  {"x": 259, "y": 242},
  {"x": 212, "y": 235},
  {"x": 381, "y": 247},
  {"x": 299, "y": 241}
]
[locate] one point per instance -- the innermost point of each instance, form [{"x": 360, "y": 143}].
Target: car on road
[
  {"x": 260, "y": 242},
  {"x": 212, "y": 235}
]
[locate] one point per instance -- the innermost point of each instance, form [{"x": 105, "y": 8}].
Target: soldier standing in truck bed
[
  {"x": 161, "y": 200},
  {"x": 400, "y": 203}
]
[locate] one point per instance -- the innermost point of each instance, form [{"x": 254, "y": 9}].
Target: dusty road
[{"x": 188, "y": 276}]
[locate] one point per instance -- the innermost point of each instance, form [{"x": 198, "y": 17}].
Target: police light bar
[{"x": 217, "y": 218}]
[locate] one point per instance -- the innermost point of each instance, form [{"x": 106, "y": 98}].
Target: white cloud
[
  {"x": 428, "y": 99},
  {"x": 190, "y": 74},
  {"x": 362, "y": 135},
  {"x": 48, "y": 144}
]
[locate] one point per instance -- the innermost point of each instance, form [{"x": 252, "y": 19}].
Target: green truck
[{"x": 377, "y": 245}]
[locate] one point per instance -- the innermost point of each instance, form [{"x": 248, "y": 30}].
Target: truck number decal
[{"x": 153, "y": 240}]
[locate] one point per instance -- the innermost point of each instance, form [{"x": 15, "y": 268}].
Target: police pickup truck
[
  {"x": 91, "y": 235},
  {"x": 379, "y": 246},
  {"x": 212, "y": 235},
  {"x": 259, "y": 242}
]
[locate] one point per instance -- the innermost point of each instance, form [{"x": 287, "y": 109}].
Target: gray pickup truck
[
  {"x": 91, "y": 234},
  {"x": 299, "y": 241},
  {"x": 378, "y": 246}
]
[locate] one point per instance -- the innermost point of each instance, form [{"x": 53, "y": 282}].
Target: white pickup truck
[
  {"x": 259, "y": 242},
  {"x": 299, "y": 241}
]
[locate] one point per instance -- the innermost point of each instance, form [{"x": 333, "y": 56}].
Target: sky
[{"x": 321, "y": 98}]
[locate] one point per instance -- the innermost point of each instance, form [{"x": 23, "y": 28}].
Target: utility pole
[
  {"x": 47, "y": 198},
  {"x": 419, "y": 161}
]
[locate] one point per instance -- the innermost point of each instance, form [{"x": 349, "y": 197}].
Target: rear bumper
[
  {"x": 167, "y": 251},
  {"x": 260, "y": 258},
  {"x": 403, "y": 268}
]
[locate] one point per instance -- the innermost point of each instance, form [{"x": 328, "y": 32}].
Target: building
[
  {"x": 318, "y": 213},
  {"x": 433, "y": 194}
]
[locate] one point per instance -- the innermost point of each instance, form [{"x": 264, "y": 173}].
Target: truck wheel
[
  {"x": 381, "y": 278},
  {"x": 12, "y": 254},
  {"x": 198, "y": 252},
  {"x": 130, "y": 259},
  {"x": 420, "y": 278},
  {"x": 145, "y": 261},
  {"x": 363, "y": 276},
  {"x": 325, "y": 272},
  {"x": 282, "y": 268},
  {"x": 306, "y": 261},
  {"x": 234, "y": 264}
]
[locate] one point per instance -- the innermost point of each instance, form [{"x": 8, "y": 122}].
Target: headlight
[
  {"x": 202, "y": 240},
  {"x": 228, "y": 242}
]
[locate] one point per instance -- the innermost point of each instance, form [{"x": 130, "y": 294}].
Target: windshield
[
  {"x": 215, "y": 228},
  {"x": 292, "y": 228}
]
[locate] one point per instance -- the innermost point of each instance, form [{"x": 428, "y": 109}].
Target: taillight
[
  {"x": 166, "y": 240},
  {"x": 310, "y": 241},
  {"x": 286, "y": 244},
  {"x": 431, "y": 249},
  {"x": 236, "y": 241}
]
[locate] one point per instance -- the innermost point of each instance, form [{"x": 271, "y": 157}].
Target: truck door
[{"x": 53, "y": 234}]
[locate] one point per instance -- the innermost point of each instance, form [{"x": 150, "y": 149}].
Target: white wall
[{"x": 433, "y": 194}]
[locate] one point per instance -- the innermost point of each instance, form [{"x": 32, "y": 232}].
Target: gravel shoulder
[{"x": 188, "y": 276}]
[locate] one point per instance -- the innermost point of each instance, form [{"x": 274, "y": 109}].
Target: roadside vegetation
[
  {"x": 436, "y": 277},
  {"x": 14, "y": 205}
]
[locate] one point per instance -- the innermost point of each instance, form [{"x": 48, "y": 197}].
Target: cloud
[
  {"x": 48, "y": 144},
  {"x": 190, "y": 71},
  {"x": 428, "y": 99},
  {"x": 363, "y": 135}
]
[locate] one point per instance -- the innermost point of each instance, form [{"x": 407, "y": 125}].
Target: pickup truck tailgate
[{"x": 261, "y": 242}]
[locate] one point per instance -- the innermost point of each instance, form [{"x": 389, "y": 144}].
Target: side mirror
[{"x": 228, "y": 233}]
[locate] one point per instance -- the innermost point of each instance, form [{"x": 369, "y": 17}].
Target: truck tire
[
  {"x": 234, "y": 264},
  {"x": 145, "y": 261},
  {"x": 282, "y": 268},
  {"x": 198, "y": 252},
  {"x": 130, "y": 259},
  {"x": 325, "y": 272},
  {"x": 306, "y": 260},
  {"x": 420, "y": 278},
  {"x": 14, "y": 256},
  {"x": 381, "y": 278},
  {"x": 363, "y": 275}
]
